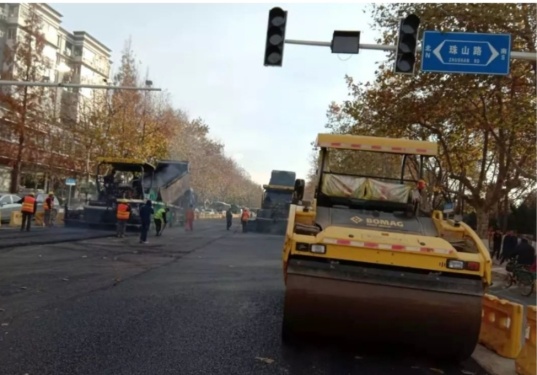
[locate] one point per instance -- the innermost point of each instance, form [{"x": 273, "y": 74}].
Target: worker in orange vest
[
  {"x": 123, "y": 215},
  {"x": 28, "y": 209},
  {"x": 244, "y": 219},
  {"x": 189, "y": 218},
  {"x": 48, "y": 206}
]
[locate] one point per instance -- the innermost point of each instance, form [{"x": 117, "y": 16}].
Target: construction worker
[
  {"x": 229, "y": 218},
  {"x": 28, "y": 209},
  {"x": 190, "y": 218},
  {"x": 419, "y": 197},
  {"x": 48, "y": 206},
  {"x": 159, "y": 217},
  {"x": 123, "y": 215},
  {"x": 145, "y": 217},
  {"x": 244, "y": 219}
]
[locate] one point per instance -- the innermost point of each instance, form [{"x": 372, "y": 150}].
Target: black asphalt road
[
  {"x": 208, "y": 302},
  {"x": 12, "y": 237}
]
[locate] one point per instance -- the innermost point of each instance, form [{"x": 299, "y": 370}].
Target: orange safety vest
[
  {"x": 51, "y": 203},
  {"x": 245, "y": 216},
  {"x": 122, "y": 213},
  {"x": 28, "y": 204}
]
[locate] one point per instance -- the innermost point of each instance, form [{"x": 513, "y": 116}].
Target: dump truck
[
  {"x": 366, "y": 260},
  {"x": 134, "y": 182},
  {"x": 275, "y": 202}
]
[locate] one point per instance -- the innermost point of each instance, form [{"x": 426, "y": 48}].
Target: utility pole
[{"x": 76, "y": 86}]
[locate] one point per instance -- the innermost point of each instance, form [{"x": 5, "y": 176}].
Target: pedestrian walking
[
  {"x": 160, "y": 218},
  {"x": 497, "y": 238},
  {"x": 145, "y": 217},
  {"x": 245, "y": 216},
  {"x": 48, "y": 207},
  {"x": 123, "y": 215},
  {"x": 28, "y": 210},
  {"x": 229, "y": 218},
  {"x": 190, "y": 218}
]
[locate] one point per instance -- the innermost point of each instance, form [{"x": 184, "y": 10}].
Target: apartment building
[{"x": 71, "y": 57}]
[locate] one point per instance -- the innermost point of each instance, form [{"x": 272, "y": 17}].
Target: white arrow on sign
[
  {"x": 493, "y": 52},
  {"x": 436, "y": 52}
]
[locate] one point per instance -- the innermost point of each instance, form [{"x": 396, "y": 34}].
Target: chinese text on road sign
[{"x": 471, "y": 53}]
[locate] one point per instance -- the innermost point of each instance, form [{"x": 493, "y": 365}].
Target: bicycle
[{"x": 521, "y": 276}]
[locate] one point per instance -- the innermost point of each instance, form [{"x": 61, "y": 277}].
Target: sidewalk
[
  {"x": 487, "y": 359},
  {"x": 493, "y": 363}
]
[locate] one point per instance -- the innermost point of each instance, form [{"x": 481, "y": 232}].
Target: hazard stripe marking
[
  {"x": 374, "y": 245},
  {"x": 378, "y": 147}
]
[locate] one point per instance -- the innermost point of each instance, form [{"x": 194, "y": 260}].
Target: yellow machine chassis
[{"x": 379, "y": 278}]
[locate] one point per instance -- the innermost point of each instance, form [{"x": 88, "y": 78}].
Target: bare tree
[{"x": 23, "y": 110}]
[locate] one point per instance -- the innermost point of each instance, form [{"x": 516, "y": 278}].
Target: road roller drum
[{"x": 439, "y": 316}]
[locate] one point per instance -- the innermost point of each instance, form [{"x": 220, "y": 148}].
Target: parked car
[{"x": 8, "y": 204}]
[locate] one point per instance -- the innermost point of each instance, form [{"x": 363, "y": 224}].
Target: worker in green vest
[{"x": 159, "y": 217}]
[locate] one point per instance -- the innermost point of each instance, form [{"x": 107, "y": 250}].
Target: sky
[{"x": 209, "y": 57}]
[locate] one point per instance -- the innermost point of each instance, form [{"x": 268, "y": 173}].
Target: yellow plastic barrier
[
  {"x": 501, "y": 326},
  {"x": 39, "y": 218},
  {"x": 525, "y": 363},
  {"x": 16, "y": 219}
]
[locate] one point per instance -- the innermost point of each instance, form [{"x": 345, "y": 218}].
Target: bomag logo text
[{"x": 384, "y": 223}]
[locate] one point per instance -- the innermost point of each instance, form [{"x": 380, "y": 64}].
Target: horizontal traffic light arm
[{"x": 517, "y": 55}]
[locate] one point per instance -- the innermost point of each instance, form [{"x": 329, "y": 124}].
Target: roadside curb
[
  {"x": 499, "y": 273},
  {"x": 493, "y": 363}
]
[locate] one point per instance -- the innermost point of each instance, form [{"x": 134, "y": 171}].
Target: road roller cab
[{"x": 368, "y": 258}]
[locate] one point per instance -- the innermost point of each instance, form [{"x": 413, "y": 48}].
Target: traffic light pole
[{"x": 518, "y": 55}]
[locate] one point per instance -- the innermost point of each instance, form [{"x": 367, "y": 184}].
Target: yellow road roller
[{"x": 370, "y": 260}]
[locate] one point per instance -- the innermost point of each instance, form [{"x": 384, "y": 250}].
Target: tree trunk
[
  {"x": 16, "y": 172},
  {"x": 16, "y": 177},
  {"x": 482, "y": 217}
]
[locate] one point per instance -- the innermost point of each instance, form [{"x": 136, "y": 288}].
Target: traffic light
[
  {"x": 275, "y": 37},
  {"x": 407, "y": 41}
]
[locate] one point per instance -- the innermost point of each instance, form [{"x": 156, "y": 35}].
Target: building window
[
  {"x": 11, "y": 33},
  {"x": 68, "y": 48},
  {"x": 77, "y": 51},
  {"x": 12, "y": 10}
]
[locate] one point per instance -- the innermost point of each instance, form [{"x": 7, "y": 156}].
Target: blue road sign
[
  {"x": 470, "y": 53},
  {"x": 70, "y": 182}
]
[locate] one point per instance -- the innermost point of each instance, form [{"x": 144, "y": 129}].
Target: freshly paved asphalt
[
  {"x": 38, "y": 235},
  {"x": 207, "y": 302}
]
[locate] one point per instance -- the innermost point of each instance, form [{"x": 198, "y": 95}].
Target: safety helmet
[
  {"x": 50, "y": 193},
  {"x": 32, "y": 194}
]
